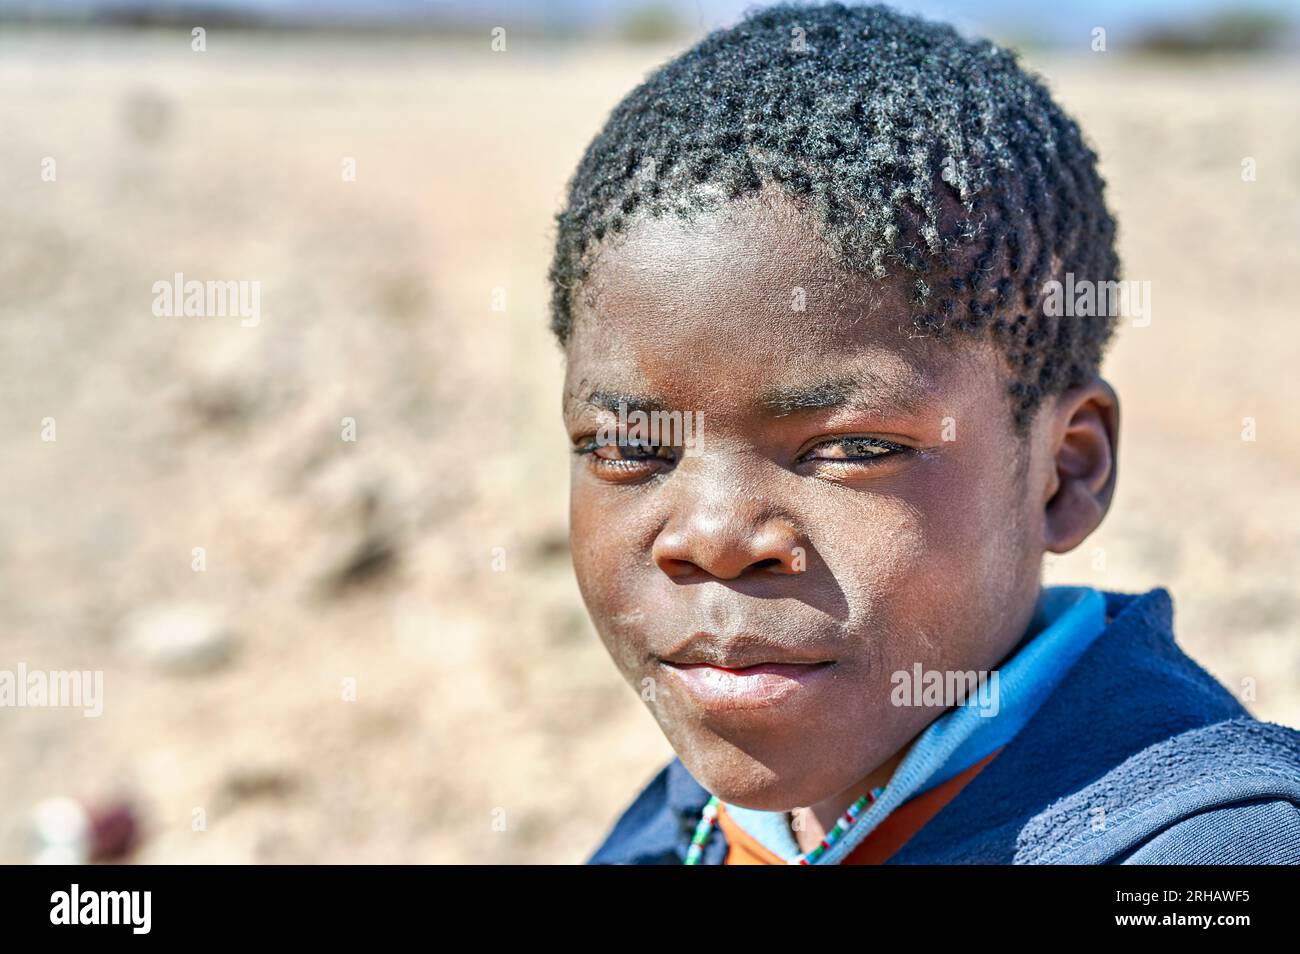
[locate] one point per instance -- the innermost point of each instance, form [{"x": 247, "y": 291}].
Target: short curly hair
[{"x": 912, "y": 147}]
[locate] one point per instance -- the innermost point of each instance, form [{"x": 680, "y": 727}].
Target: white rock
[
  {"x": 187, "y": 638},
  {"x": 62, "y": 830}
]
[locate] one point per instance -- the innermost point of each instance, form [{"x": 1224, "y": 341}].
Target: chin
[{"x": 775, "y": 783}]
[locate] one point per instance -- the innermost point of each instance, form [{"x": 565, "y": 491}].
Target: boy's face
[{"x": 853, "y": 506}]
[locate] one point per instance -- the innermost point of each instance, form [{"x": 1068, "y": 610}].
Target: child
[{"x": 824, "y": 430}]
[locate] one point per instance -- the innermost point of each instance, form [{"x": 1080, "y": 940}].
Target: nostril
[
  {"x": 765, "y": 564},
  {"x": 675, "y": 568}
]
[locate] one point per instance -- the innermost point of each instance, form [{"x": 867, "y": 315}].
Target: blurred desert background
[{"x": 384, "y": 656}]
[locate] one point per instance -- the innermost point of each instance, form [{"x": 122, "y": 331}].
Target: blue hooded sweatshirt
[{"x": 1135, "y": 756}]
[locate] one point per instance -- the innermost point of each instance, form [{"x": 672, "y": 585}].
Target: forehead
[{"x": 746, "y": 297}]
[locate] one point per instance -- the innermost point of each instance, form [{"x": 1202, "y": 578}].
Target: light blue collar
[{"x": 1066, "y": 621}]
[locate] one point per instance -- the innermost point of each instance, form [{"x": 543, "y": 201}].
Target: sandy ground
[{"x": 427, "y": 560}]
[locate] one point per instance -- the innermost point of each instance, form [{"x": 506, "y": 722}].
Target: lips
[
  {"x": 721, "y": 689},
  {"x": 743, "y": 671},
  {"x": 740, "y": 652}
]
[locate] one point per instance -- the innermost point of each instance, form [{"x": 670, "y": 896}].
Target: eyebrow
[
  {"x": 610, "y": 401},
  {"x": 863, "y": 389}
]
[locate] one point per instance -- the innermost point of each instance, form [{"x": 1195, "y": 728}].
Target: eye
[
  {"x": 628, "y": 458},
  {"x": 852, "y": 451}
]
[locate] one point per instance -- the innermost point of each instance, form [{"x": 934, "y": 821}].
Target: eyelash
[
  {"x": 636, "y": 466},
  {"x": 889, "y": 449},
  {"x": 623, "y": 466}
]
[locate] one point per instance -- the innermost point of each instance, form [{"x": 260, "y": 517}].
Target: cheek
[
  {"x": 933, "y": 556},
  {"x": 971, "y": 501},
  {"x": 605, "y": 563},
  {"x": 877, "y": 553},
  {"x": 976, "y": 564},
  {"x": 595, "y": 556}
]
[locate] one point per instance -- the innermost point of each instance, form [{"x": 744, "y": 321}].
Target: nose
[{"x": 729, "y": 542}]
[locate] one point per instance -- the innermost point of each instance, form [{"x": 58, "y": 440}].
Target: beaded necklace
[{"x": 710, "y": 817}]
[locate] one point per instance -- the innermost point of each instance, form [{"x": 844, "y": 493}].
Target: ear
[{"x": 1083, "y": 440}]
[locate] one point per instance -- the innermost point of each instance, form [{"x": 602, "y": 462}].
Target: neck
[{"x": 810, "y": 824}]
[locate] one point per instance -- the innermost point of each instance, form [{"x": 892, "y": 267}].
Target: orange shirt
[{"x": 885, "y": 839}]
